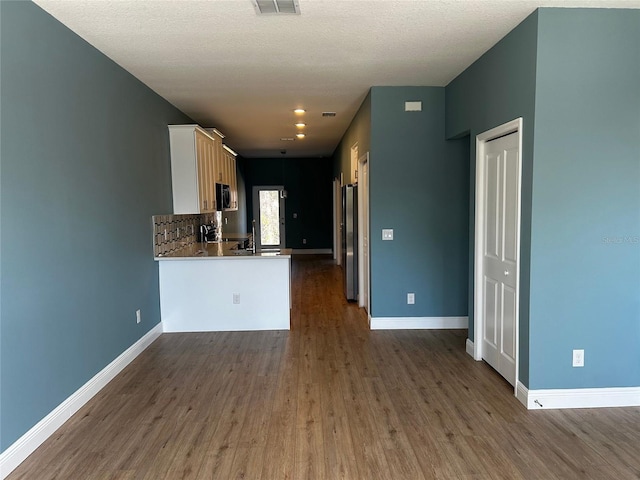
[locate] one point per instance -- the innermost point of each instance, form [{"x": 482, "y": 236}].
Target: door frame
[
  {"x": 363, "y": 196},
  {"x": 514, "y": 126},
  {"x": 256, "y": 215},
  {"x": 354, "y": 159}
]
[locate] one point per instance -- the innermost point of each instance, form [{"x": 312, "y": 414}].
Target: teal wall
[
  {"x": 573, "y": 75},
  {"x": 419, "y": 187},
  {"x": 359, "y": 131},
  {"x": 585, "y": 235},
  {"x": 499, "y": 87},
  {"x": 308, "y": 185},
  {"x": 85, "y": 163}
]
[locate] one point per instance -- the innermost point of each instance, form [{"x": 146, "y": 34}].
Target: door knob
[{"x": 506, "y": 272}]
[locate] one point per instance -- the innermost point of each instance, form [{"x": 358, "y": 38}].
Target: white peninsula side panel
[{"x": 197, "y": 295}]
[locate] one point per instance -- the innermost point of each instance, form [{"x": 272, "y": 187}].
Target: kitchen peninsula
[{"x": 206, "y": 287}]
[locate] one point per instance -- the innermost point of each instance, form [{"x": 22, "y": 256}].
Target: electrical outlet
[
  {"x": 411, "y": 298},
  {"x": 578, "y": 358},
  {"x": 138, "y": 317},
  {"x": 236, "y": 299},
  {"x": 304, "y": 241},
  {"x": 387, "y": 234}
]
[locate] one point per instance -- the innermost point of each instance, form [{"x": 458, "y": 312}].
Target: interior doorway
[
  {"x": 269, "y": 217},
  {"x": 363, "y": 233},
  {"x": 497, "y": 248}
]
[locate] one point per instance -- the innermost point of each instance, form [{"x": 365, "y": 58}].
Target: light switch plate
[{"x": 387, "y": 234}]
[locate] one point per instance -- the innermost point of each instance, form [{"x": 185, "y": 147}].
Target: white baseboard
[
  {"x": 418, "y": 323},
  {"x": 522, "y": 393},
  {"x": 578, "y": 397},
  {"x": 25, "y": 445},
  {"x": 311, "y": 251},
  {"x": 470, "y": 348}
]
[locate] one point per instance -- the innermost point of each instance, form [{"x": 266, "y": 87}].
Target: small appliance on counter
[
  {"x": 211, "y": 232},
  {"x": 207, "y": 233}
]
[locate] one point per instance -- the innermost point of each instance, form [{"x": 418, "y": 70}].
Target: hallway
[{"x": 327, "y": 400}]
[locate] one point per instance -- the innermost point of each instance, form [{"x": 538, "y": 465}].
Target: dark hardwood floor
[{"x": 327, "y": 400}]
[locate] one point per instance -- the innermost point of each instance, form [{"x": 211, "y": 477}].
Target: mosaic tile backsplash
[{"x": 174, "y": 232}]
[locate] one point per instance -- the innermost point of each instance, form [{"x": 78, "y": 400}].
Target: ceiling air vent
[
  {"x": 271, "y": 7},
  {"x": 328, "y": 114}
]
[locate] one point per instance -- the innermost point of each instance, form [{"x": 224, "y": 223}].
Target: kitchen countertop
[
  {"x": 221, "y": 250},
  {"x": 235, "y": 236}
]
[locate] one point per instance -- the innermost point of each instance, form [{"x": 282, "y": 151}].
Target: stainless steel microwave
[{"x": 223, "y": 196}]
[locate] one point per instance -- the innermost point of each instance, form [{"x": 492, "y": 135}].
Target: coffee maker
[{"x": 211, "y": 232}]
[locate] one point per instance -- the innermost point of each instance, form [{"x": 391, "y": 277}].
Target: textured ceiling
[{"x": 227, "y": 67}]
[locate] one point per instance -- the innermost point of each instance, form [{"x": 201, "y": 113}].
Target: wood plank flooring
[{"x": 327, "y": 400}]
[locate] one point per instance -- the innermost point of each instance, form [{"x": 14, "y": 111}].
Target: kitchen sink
[{"x": 242, "y": 252}]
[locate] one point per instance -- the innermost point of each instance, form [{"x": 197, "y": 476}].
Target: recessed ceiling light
[
  {"x": 300, "y": 135},
  {"x": 299, "y": 111},
  {"x": 301, "y": 125}
]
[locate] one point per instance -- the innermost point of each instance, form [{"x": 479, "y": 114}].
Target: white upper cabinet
[
  {"x": 193, "y": 169},
  {"x": 198, "y": 162}
]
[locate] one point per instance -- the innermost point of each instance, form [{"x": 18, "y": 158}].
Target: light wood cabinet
[
  {"x": 225, "y": 167},
  {"x": 193, "y": 169},
  {"x": 230, "y": 176},
  {"x": 217, "y": 154}
]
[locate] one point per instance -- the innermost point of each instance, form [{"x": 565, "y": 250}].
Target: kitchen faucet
[{"x": 253, "y": 236}]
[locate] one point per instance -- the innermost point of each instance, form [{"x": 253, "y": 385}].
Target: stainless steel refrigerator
[{"x": 350, "y": 240}]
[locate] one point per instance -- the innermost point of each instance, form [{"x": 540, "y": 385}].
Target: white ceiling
[{"x": 227, "y": 67}]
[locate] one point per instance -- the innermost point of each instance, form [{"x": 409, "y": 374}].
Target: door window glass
[{"x": 270, "y": 217}]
